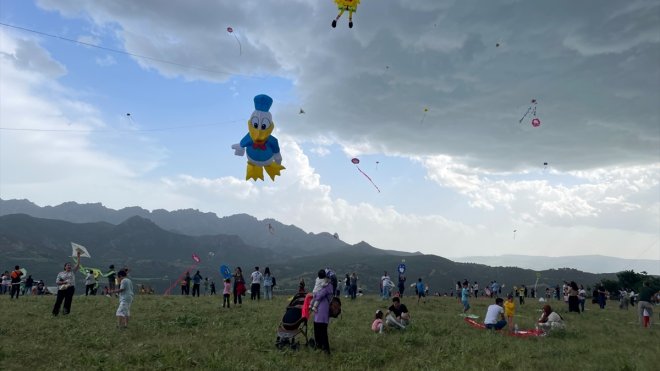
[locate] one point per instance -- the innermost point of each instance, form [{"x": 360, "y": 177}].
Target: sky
[{"x": 137, "y": 103}]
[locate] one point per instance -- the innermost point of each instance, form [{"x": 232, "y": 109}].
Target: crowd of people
[{"x": 327, "y": 287}]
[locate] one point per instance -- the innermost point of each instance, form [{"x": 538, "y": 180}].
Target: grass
[{"x": 181, "y": 333}]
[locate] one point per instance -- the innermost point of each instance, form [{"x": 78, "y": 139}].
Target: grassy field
[{"x": 180, "y": 333}]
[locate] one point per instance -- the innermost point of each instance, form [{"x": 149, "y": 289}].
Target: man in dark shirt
[
  {"x": 397, "y": 314},
  {"x": 16, "y": 281}
]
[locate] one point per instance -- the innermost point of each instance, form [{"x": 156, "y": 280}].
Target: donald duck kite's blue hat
[{"x": 262, "y": 102}]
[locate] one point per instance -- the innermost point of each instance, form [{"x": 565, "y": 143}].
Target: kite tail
[
  {"x": 240, "y": 47},
  {"x": 372, "y": 182},
  {"x": 167, "y": 292}
]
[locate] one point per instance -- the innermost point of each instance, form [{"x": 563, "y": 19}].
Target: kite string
[
  {"x": 240, "y": 47},
  {"x": 167, "y": 292},
  {"x": 198, "y": 68},
  {"x": 525, "y": 115},
  {"x": 372, "y": 182}
]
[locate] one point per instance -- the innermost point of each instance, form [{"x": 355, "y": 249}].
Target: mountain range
[
  {"x": 586, "y": 263},
  {"x": 158, "y": 246}
]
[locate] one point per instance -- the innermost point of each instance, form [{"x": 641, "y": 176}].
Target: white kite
[{"x": 75, "y": 248}]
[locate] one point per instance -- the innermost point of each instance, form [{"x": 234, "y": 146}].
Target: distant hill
[
  {"x": 267, "y": 233},
  {"x": 44, "y": 245},
  {"x": 158, "y": 256},
  {"x": 586, "y": 263}
]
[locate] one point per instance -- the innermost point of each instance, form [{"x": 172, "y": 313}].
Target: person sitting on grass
[
  {"x": 495, "y": 312},
  {"x": 550, "y": 320},
  {"x": 397, "y": 315},
  {"x": 377, "y": 325}
]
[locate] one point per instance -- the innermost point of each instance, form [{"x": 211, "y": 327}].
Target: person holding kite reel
[{"x": 66, "y": 287}]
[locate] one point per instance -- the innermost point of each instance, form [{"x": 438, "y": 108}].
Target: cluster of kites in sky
[{"x": 262, "y": 149}]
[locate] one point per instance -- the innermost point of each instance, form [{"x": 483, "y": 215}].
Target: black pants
[
  {"x": 237, "y": 298},
  {"x": 225, "y": 300},
  {"x": 89, "y": 289},
  {"x": 255, "y": 291},
  {"x": 67, "y": 297},
  {"x": 196, "y": 289},
  {"x": 573, "y": 304},
  {"x": 15, "y": 288},
  {"x": 321, "y": 336}
]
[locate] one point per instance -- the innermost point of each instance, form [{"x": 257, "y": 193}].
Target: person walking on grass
[
  {"x": 465, "y": 295},
  {"x": 255, "y": 288},
  {"x": 111, "y": 277},
  {"x": 126, "y": 295},
  {"x": 268, "y": 284},
  {"x": 602, "y": 297},
  {"x": 645, "y": 303},
  {"x": 16, "y": 282},
  {"x": 573, "y": 297},
  {"x": 420, "y": 290},
  {"x": 354, "y": 285},
  {"x": 582, "y": 297},
  {"x": 239, "y": 286},
  {"x": 66, "y": 287},
  {"x": 89, "y": 283},
  {"x": 226, "y": 292},
  {"x": 322, "y": 313},
  {"x": 197, "y": 280}
]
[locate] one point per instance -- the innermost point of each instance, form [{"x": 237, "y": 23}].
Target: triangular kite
[{"x": 83, "y": 251}]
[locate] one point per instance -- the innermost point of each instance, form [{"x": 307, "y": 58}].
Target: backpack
[
  {"x": 274, "y": 282},
  {"x": 335, "y": 307}
]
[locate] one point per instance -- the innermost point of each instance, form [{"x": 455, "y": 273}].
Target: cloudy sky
[{"x": 138, "y": 103}]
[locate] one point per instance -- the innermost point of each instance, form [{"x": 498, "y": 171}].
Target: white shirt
[
  {"x": 126, "y": 295},
  {"x": 493, "y": 314},
  {"x": 69, "y": 278},
  {"x": 89, "y": 280},
  {"x": 554, "y": 317},
  {"x": 256, "y": 277}
]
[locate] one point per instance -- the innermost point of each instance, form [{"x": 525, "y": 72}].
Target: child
[
  {"x": 226, "y": 292},
  {"x": 647, "y": 318},
  {"x": 319, "y": 284},
  {"x": 465, "y": 294},
  {"x": 510, "y": 310},
  {"x": 420, "y": 290},
  {"x": 377, "y": 325},
  {"x": 125, "y": 292}
]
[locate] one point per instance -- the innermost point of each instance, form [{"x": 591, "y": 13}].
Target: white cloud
[
  {"x": 106, "y": 61},
  {"x": 597, "y": 95}
]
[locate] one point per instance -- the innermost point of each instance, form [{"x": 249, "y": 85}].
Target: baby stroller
[{"x": 293, "y": 323}]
